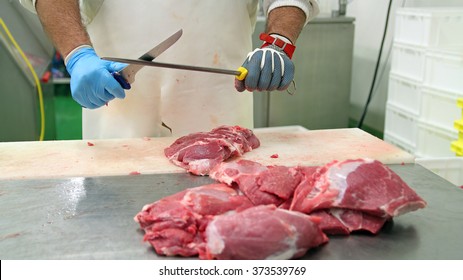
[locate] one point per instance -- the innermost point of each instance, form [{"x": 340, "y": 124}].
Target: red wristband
[{"x": 270, "y": 40}]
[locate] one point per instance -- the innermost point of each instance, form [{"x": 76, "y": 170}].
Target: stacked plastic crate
[
  {"x": 426, "y": 80},
  {"x": 450, "y": 168}
]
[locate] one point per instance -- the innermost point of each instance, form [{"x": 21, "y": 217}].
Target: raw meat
[
  {"x": 275, "y": 212},
  {"x": 261, "y": 184},
  {"x": 337, "y": 221},
  {"x": 364, "y": 185},
  {"x": 175, "y": 224},
  {"x": 368, "y": 192},
  {"x": 200, "y": 152},
  {"x": 261, "y": 232}
]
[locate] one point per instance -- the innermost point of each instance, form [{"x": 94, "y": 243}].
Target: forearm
[
  {"x": 287, "y": 21},
  {"x": 62, "y": 22}
]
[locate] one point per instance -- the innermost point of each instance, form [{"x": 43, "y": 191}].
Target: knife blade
[
  {"x": 127, "y": 75},
  {"x": 240, "y": 73}
]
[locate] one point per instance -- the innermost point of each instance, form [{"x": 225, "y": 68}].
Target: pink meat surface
[
  {"x": 261, "y": 232},
  {"x": 337, "y": 221},
  {"x": 261, "y": 184},
  {"x": 364, "y": 185},
  {"x": 175, "y": 224},
  {"x": 275, "y": 212},
  {"x": 199, "y": 152}
]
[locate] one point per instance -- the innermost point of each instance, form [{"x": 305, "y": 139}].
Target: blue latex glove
[
  {"x": 92, "y": 84},
  {"x": 268, "y": 68}
]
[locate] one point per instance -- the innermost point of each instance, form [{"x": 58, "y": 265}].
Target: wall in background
[{"x": 370, "y": 19}]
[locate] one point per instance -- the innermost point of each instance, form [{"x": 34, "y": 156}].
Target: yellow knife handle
[{"x": 243, "y": 73}]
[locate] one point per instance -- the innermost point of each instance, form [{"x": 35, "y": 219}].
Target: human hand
[
  {"x": 269, "y": 67},
  {"x": 92, "y": 84}
]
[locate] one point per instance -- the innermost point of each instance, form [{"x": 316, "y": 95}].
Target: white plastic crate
[
  {"x": 398, "y": 143},
  {"x": 401, "y": 125},
  {"x": 438, "y": 107},
  {"x": 444, "y": 70},
  {"x": 450, "y": 169},
  {"x": 430, "y": 27},
  {"x": 404, "y": 93},
  {"x": 408, "y": 61},
  {"x": 434, "y": 141}
]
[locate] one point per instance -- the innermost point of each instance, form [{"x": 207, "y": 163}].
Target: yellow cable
[{"x": 36, "y": 79}]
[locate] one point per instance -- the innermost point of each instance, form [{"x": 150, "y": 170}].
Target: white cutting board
[
  {"x": 317, "y": 147},
  {"x": 82, "y": 158}
]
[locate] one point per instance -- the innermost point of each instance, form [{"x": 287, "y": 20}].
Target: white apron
[{"x": 216, "y": 33}]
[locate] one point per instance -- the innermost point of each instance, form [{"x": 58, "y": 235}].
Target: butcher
[{"x": 215, "y": 34}]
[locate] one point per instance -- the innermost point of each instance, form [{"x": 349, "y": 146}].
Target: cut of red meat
[
  {"x": 261, "y": 184},
  {"x": 330, "y": 224},
  {"x": 337, "y": 221},
  {"x": 368, "y": 192},
  {"x": 271, "y": 212},
  {"x": 174, "y": 224},
  {"x": 364, "y": 185},
  {"x": 200, "y": 152},
  {"x": 261, "y": 232},
  {"x": 215, "y": 199}
]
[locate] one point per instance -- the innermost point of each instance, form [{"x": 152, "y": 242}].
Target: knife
[
  {"x": 240, "y": 74},
  {"x": 127, "y": 75}
]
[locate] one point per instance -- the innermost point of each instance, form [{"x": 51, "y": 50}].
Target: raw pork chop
[
  {"x": 200, "y": 152},
  {"x": 261, "y": 184},
  {"x": 364, "y": 185},
  {"x": 337, "y": 221},
  {"x": 261, "y": 232},
  {"x": 175, "y": 224}
]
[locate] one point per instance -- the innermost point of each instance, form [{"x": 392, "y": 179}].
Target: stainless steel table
[{"x": 92, "y": 218}]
